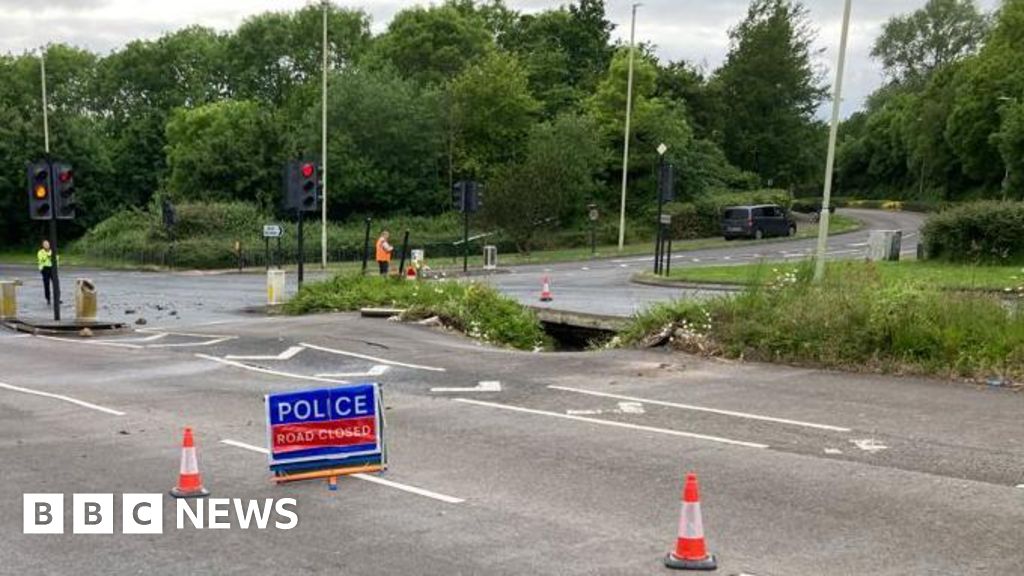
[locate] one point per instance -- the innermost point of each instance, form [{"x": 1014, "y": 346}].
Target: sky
[{"x": 694, "y": 30}]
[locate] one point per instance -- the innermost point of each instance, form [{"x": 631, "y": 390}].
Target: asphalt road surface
[
  {"x": 572, "y": 464},
  {"x": 599, "y": 286},
  {"x": 603, "y": 286}
]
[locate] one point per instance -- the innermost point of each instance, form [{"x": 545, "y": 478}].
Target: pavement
[{"x": 571, "y": 464}]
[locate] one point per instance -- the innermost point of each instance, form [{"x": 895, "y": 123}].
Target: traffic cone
[
  {"x": 545, "y": 291},
  {"x": 190, "y": 483},
  {"x": 691, "y": 552}
]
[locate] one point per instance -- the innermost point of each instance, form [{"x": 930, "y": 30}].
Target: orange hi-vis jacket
[{"x": 383, "y": 254}]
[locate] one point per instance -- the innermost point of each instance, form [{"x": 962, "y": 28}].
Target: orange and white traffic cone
[
  {"x": 545, "y": 291},
  {"x": 190, "y": 483},
  {"x": 691, "y": 552}
]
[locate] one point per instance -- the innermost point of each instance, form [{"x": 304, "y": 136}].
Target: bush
[
  {"x": 852, "y": 320},
  {"x": 982, "y": 232},
  {"x": 477, "y": 310}
]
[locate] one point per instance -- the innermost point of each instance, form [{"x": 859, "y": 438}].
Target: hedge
[{"x": 979, "y": 232}]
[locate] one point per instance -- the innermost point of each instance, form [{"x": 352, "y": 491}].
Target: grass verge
[
  {"x": 474, "y": 309},
  {"x": 943, "y": 275},
  {"x": 856, "y": 319}
]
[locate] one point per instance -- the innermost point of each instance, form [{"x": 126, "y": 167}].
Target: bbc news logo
[{"x": 144, "y": 514}]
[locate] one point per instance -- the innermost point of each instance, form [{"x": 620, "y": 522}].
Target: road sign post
[
  {"x": 271, "y": 231},
  {"x": 593, "y": 215},
  {"x": 325, "y": 432}
]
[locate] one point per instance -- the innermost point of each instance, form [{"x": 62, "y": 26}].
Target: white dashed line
[
  {"x": 62, "y": 398},
  {"x": 365, "y": 477},
  {"x": 286, "y": 355},
  {"x": 483, "y": 386},
  {"x": 372, "y": 358},
  {"x": 613, "y": 423},
  {"x": 733, "y": 413}
]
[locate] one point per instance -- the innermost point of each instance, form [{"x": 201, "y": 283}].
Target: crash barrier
[
  {"x": 884, "y": 245},
  {"x": 275, "y": 287},
  {"x": 9, "y": 299},
  {"x": 326, "y": 432},
  {"x": 85, "y": 299}
]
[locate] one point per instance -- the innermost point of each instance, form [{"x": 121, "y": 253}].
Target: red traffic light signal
[
  {"x": 308, "y": 170},
  {"x": 65, "y": 176}
]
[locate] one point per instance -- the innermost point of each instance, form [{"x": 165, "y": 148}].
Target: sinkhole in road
[{"x": 574, "y": 338}]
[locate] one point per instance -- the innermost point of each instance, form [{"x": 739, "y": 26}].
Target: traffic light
[
  {"x": 40, "y": 197},
  {"x": 459, "y": 196},
  {"x": 302, "y": 185},
  {"x": 474, "y": 197},
  {"x": 64, "y": 190},
  {"x": 667, "y": 183}
]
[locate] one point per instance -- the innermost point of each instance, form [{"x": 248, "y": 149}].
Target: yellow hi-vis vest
[{"x": 44, "y": 258}]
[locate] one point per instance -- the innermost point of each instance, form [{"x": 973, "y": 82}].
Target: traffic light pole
[
  {"x": 55, "y": 281},
  {"x": 302, "y": 253},
  {"x": 465, "y": 236}
]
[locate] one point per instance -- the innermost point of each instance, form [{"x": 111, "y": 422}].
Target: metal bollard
[
  {"x": 85, "y": 299},
  {"x": 275, "y": 287},
  {"x": 8, "y": 299}
]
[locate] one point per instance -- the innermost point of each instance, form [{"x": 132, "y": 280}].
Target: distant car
[{"x": 757, "y": 222}]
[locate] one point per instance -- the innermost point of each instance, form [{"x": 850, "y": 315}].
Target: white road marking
[
  {"x": 857, "y": 244},
  {"x": 145, "y": 339},
  {"x": 90, "y": 342},
  {"x": 483, "y": 386},
  {"x": 869, "y": 445},
  {"x": 366, "y": 477},
  {"x": 377, "y": 370},
  {"x": 268, "y": 371},
  {"x": 624, "y": 408},
  {"x": 371, "y": 358},
  {"x": 1020, "y": 485},
  {"x": 585, "y": 269},
  {"x": 288, "y": 354},
  {"x": 63, "y": 398},
  {"x": 631, "y": 408},
  {"x": 584, "y": 412},
  {"x": 704, "y": 409},
  {"x": 613, "y": 423},
  {"x": 833, "y": 451},
  {"x": 192, "y": 344}
]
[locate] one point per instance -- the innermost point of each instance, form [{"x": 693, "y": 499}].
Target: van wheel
[
  {"x": 792, "y": 230},
  {"x": 758, "y": 234}
]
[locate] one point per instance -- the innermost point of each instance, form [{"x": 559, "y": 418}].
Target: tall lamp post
[
  {"x": 323, "y": 146},
  {"x": 625, "y": 145},
  {"x": 837, "y": 98}
]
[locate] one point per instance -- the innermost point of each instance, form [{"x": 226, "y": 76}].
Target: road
[
  {"x": 599, "y": 286},
  {"x": 603, "y": 286},
  {"x": 573, "y": 467}
]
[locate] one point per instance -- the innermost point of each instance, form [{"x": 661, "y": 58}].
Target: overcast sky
[{"x": 695, "y": 30}]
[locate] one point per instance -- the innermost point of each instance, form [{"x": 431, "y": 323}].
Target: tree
[
  {"x": 492, "y": 111},
  {"x": 913, "y": 46},
  {"x": 770, "y": 93},
  {"x": 228, "y": 150},
  {"x": 432, "y": 45},
  {"x": 551, "y": 185}
]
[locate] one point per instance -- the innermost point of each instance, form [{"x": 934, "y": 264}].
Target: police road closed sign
[{"x": 328, "y": 424}]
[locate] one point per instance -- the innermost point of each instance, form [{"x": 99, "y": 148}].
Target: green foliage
[
  {"x": 913, "y": 46},
  {"x": 770, "y": 93},
  {"x": 550, "y": 185},
  {"x": 227, "y": 150},
  {"x": 853, "y": 320},
  {"x": 477, "y": 310},
  {"x": 434, "y": 44},
  {"x": 976, "y": 232}
]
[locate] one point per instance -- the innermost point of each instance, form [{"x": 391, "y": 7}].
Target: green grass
[
  {"x": 938, "y": 274},
  {"x": 857, "y": 319},
  {"x": 474, "y": 309}
]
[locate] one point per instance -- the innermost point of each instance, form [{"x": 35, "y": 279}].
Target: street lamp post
[
  {"x": 625, "y": 145},
  {"x": 323, "y": 146},
  {"x": 837, "y": 98}
]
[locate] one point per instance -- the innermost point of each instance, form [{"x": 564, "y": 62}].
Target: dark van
[{"x": 757, "y": 222}]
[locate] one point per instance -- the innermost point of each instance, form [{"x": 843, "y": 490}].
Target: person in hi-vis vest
[
  {"x": 384, "y": 250},
  {"x": 45, "y": 260}
]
